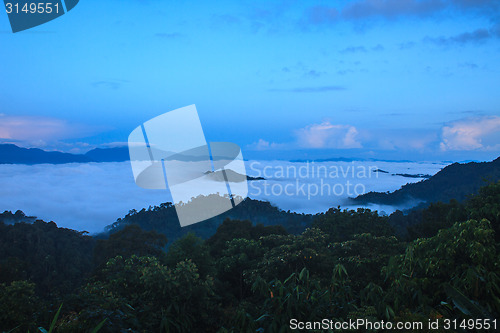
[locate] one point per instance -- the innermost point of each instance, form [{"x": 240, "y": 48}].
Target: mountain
[
  {"x": 231, "y": 175},
  {"x": 163, "y": 219},
  {"x": 456, "y": 181},
  {"x": 116, "y": 154},
  {"x": 12, "y": 154}
]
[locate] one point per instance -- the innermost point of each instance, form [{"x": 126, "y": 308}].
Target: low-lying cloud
[{"x": 93, "y": 195}]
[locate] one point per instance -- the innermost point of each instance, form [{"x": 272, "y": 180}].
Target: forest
[{"x": 439, "y": 263}]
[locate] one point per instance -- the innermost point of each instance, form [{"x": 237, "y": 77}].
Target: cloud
[
  {"x": 328, "y": 135},
  {"x": 366, "y": 9},
  {"x": 390, "y": 8},
  {"x": 322, "y": 14},
  {"x": 406, "y": 45},
  {"x": 93, "y": 195},
  {"x": 314, "y": 73},
  {"x": 81, "y": 196},
  {"x": 225, "y": 20},
  {"x": 423, "y": 140},
  {"x": 344, "y": 71},
  {"x": 111, "y": 84},
  {"x": 310, "y": 89},
  {"x": 42, "y": 129},
  {"x": 469, "y": 65},
  {"x": 476, "y": 36},
  {"x": 164, "y": 35},
  {"x": 115, "y": 144},
  {"x": 354, "y": 49},
  {"x": 394, "y": 9},
  {"x": 483, "y": 5},
  {"x": 266, "y": 145},
  {"x": 362, "y": 49},
  {"x": 478, "y": 133}
]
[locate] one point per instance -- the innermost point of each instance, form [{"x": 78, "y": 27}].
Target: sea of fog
[{"x": 89, "y": 196}]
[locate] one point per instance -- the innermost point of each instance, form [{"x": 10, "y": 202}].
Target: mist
[{"x": 90, "y": 196}]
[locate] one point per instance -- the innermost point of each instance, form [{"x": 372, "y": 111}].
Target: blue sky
[{"x": 390, "y": 79}]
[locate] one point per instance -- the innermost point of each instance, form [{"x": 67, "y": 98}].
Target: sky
[{"x": 383, "y": 79}]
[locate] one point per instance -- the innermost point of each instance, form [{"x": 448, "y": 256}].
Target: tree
[
  {"x": 463, "y": 257},
  {"x": 342, "y": 225},
  {"x": 131, "y": 240},
  {"x": 191, "y": 247},
  {"x": 19, "y": 306}
]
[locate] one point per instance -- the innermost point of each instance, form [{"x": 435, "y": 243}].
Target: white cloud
[
  {"x": 328, "y": 135},
  {"x": 265, "y": 145},
  {"x": 80, "y": 196},
  {"x": 479, "y": 133},
  {"x": 92, "y": 195},
  {"x": 42, "y": 129}
]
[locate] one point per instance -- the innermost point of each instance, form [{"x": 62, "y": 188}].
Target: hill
[
  {"x": 116, "y": 154},
  {"x": 456, "y": 181},
  {"x": 12, "y": 154},
  {"x": 163, "y": 219}
]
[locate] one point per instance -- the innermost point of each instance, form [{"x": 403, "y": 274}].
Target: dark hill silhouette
[
  {"x": 163, "y": 219},
  {"x": 231, "y": 175},
  {"x": 116, "y": 154},
  {"x": 456, "y": 181},
  {"x": 12, "y": 154}
]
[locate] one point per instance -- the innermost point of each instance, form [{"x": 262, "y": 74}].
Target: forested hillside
[
  {"x": 456, "y": 181},
  {"x": 163, "y": 219},
  {"x": 256, "y": 278}
]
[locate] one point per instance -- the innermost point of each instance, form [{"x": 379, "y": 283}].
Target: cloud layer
[{"x": 91, "y": 196}]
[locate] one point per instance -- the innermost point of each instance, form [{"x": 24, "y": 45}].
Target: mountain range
[{"x": 12, "y": 154}]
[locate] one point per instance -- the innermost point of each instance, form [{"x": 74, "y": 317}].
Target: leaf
[
  {"x": 99, "y": 326},
  {"x": 288, "y": 278},
  {"x": 262, "y": 317},
  {"x": 302, "y": 272},
  {"x": 464, "y": 304},
  {"x": 15, "y": 328},
  {"x": 53, "y": 324}
]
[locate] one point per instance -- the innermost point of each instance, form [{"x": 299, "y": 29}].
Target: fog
[{"x": 92, "y": 195}]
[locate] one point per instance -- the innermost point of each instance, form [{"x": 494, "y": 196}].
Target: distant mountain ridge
[
  {"x": 456, "y": 181},
  {"x": 12, "y": 154}
]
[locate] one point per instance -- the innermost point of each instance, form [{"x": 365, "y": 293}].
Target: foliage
[
  {"x": 463, "y": 256},
  {"x": 163, "y": 219},
  {"x": 253, "y": 277},
  {"x": 18, "y": 305},
  {"x": 57, "y": 260},
  {"x": 342, "y": 225},
  {"x": 131, "y": 240}
]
